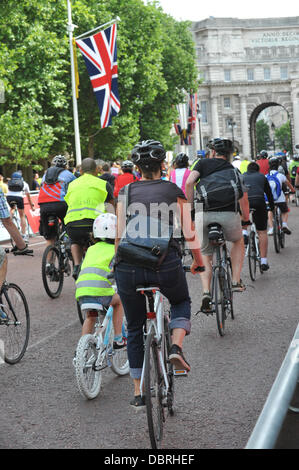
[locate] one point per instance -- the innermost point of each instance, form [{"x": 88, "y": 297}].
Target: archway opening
[{"x": 270, "y": 129}]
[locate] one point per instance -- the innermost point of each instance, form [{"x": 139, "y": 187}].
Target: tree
[
  {"x": 283, "y": 137},
  {"x": 262, "y": 135},
  {"x": 156, "y": 61}
]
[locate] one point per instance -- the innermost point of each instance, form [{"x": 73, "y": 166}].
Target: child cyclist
[{"x": 93, "y": 289}]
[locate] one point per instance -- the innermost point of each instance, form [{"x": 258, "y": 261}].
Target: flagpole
[
  {"x": 70, "y": 28},
  {"x": 116, "y": 20}
]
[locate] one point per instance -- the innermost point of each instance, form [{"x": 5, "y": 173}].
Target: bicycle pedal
[{"x": 180, "y": 373}]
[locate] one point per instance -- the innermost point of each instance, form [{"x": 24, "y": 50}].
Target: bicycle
[
  {"x": 95, "y": 353},
  {"x": 253, "y": 251},
  {"x": 14, "y": 304},
  {"x": 17, "y": 221},
  {"x": 222, "y": 293},
  {"x": 278, "y": 233},
  {"x": 57, "y": 261},
  {"x": 157, "y": 372}
]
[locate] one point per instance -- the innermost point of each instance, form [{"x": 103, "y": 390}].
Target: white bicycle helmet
[
  {"x": 59, "y": 161},
  {"x": 104, "y": 226}
]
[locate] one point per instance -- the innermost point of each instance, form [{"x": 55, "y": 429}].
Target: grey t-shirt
[{"x": 157, "y": 198}]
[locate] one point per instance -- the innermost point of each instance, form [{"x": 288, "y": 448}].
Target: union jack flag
[
  {"x": 192, "y": 113},
  {"x": 100, "y": 55}
]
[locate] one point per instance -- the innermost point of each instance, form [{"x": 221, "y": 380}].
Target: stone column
[
  {"x": 244, "y": 128},
  {"x": 215, "y": 121},
  {"x": 295, "y": 104}
]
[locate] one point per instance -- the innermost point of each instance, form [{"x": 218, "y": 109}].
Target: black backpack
[
  {"x": 16, "y": 184},
  {"x": 220, "y": 189},
  {"x": 52, "y": 174}
]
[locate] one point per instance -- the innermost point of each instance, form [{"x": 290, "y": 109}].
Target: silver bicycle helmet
[
  {"x": 60, "y": 161},
  {"x": 147, "y": 151}
]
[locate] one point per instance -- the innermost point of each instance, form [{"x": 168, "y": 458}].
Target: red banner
[{"x": 32, "y": 215}]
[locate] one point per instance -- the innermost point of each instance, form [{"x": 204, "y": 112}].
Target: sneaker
[
  {"x": 49, "y": 268},
  {"x": 76, "y": 271},
  {"x": 270, "y": 231},
  {"x": 238, "y": 286},
  {"x": 176, "y": 357},
  {"x": 25, "y": 238},
  {"x": 265, "y": 267},
  {"x": 286, "y": 230},
  {"x": 120, "y": 344},
  {"x": 206, "y": 302},
  {"x": 138, "y": 401}
]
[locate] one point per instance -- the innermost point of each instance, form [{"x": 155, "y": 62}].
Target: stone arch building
[{"x": 246, "y": 65}]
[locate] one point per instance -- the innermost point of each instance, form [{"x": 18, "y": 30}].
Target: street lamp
[
  {"x": 199, "y": 116},
  {"x": 273, "y": 130},
  {"x": 231, "y": 124}
]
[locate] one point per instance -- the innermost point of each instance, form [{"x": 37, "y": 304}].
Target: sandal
[{"x": 238, "y": 286}]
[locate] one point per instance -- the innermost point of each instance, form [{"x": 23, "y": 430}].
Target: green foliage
[
  {"x": 283, "y": 137},
  {"x": 262, "y": 135},
  {"x": 156, "y": 63}
]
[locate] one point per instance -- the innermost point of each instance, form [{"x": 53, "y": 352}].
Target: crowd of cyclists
[{"x": 96, "y": 205}]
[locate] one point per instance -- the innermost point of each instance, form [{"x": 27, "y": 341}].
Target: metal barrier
[{"x": 270, "y": 421}]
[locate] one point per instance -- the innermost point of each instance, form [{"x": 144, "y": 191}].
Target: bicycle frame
[{"x": 156, "y": 321}]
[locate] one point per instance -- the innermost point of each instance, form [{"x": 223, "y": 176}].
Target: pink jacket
[{"x": 185, "y": 177}]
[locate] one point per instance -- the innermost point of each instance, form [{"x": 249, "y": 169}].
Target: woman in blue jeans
[{"x": 149, "y": 192}]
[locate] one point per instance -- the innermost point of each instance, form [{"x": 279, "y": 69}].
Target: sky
[{"x": 197, "y": 10}]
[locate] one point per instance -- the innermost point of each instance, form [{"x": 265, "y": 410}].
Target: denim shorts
[{"x": 88, "y": 302}]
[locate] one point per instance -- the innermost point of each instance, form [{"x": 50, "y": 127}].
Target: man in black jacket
[{"x": 258, "y": 186}]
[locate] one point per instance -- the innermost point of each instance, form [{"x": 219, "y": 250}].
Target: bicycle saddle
[{"x": 215, "y": 233}]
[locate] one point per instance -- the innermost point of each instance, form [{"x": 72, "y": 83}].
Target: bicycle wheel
[
  {"x": 52, "y": 273},
  {"x": 252, "y": 256},
  {"x": 17, "y": 328},
  {"x": 229, "y": 290},
  {"x": 119, "y": 360},
  {"x": 88, "y": 379},
  {"x": 281, "y": 233},
  {"x": 219, "y": 301},
  {"x": 153, "y": 391},
  {"x": 276, "y": 230},
  {"x": 168, "y": 367}
]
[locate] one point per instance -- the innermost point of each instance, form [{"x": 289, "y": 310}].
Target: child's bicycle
[{"x": 95, "y": 353}]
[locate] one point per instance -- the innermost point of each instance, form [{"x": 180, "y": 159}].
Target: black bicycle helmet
[
  {"x": 59, "y": 161},
  {"x": 263, "y": 154},
  {"x": 148, "y": 151},
  {"x": 182, "y": 160},
  {"x": 127, "y": 164},
  {"x": 221, "y": 146}
]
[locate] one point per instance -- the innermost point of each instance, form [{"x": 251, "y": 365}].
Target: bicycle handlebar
[{"x": 199, "y": 269}]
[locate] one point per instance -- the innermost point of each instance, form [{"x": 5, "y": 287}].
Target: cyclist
[
  {"x": 93, "y": 289},
  {"x": 17, "y": 187},
  {"x": 236, "y": 162},
  {"x": 85, "y": 198},
  {"x": 263, "y": 162},
  {"x": 278, "y": 194},
  {"x": 226, "y": 215},
  {"x": 127, "y": 176},
  {"x": 181, "y": 172},
  {"x": 151, "y": 189},
  {"x": 21, "y": 246},
  {"x": 294, "y": 165},
  {"x": 51, "y": 201},
  {"x": 258, "y": 186},
  {"x": 106, "y": 174},
  {"x": 244, "y": 164}
]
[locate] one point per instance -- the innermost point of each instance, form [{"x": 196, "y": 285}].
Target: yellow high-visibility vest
[
  {"x": 92, "y": 280},
  {"x": 85, "y": 198}
]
